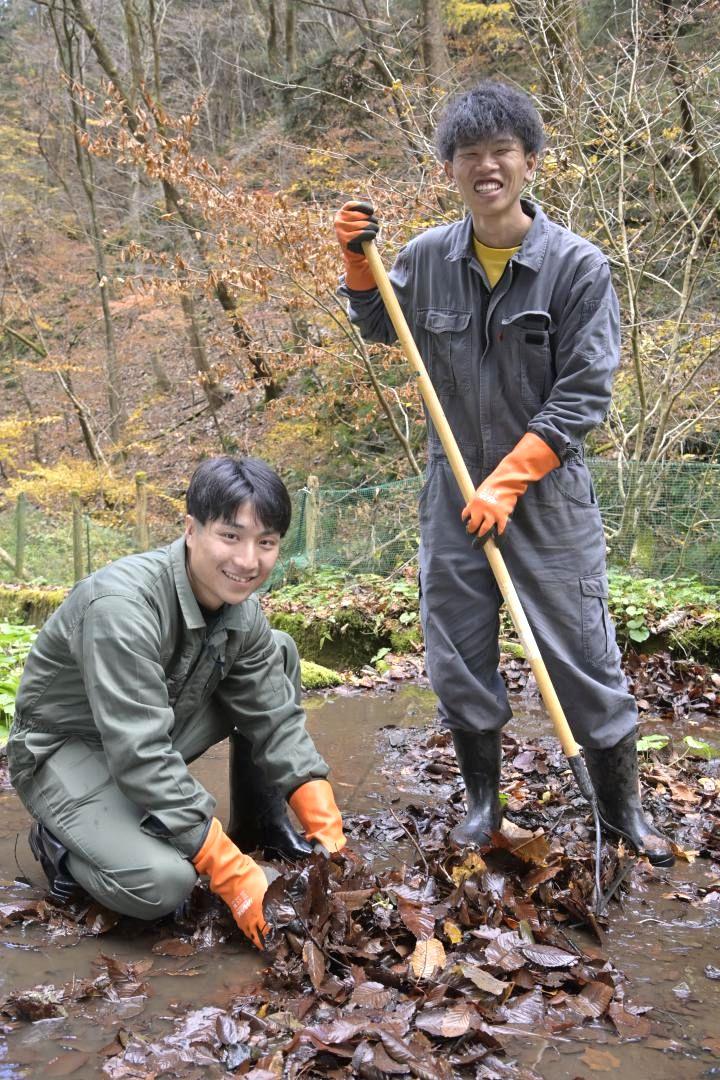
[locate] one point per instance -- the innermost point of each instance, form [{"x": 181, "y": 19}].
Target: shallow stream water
[{"x": 661, "y": 945}]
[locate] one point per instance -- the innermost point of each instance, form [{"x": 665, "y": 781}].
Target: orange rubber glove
[
  {"x": 355, "y": 222},
  {"x": 314, "y": 804},
  {"x": 495, "y": 499},
  {"x": 236, "y": 878}
]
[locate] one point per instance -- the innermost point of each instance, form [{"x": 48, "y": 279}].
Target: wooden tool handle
[{"x": 467, "y": 488}]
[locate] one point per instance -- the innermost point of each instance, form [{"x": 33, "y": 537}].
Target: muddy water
[{"x": 662, "y": 946}]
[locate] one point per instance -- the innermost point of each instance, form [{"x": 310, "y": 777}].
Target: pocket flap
[
  {"x": 594, "y": 586},
  {"x": 444, "y": 322},
  {"x": 531, "y": 320}
]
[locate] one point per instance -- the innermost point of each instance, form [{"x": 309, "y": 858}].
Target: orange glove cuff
[
  {"x": 314, "y": 804},
  {"x": 235, "y": 878}
]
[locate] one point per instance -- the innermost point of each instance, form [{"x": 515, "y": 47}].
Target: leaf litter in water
[{"x": 422, "y": 970}]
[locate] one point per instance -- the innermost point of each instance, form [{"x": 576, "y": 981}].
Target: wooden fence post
[
  {"x": 77, "y": 536},
  {"x": 142, "y": 537},
  {"x": 312, "y": 514},
  {"x": 20, "y": 535}
]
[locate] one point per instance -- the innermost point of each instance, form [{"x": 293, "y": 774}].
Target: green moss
[
  {"x": 29, "y": 604},
  {"x": 407, "y": 639},
  {"x": 317, "y": 677},
  {"x": 700, "y": 641},
  {"x": 512, "y": 648},
  {"x": 338, "y": 643}
]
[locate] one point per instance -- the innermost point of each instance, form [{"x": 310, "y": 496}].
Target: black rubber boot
[
  {"x": 50, "y": 853},
  {"x": 478, "y": 755},
  {"x": 614, "y": 773},
  {"x": 258, "y": 812}
]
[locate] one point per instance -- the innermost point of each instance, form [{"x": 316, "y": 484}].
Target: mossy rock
[
  {"x": 317, "y": 677},
  {"x": 406, "y": 640},
  {"x": 29, "y": 604},
  {"x": 700, "y": 642},
  {"x": 349, "y": 644},
  {"x": 512, "y": 648}
]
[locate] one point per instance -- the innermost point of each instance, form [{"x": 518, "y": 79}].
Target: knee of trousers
[{"x": 143, "y": 892}]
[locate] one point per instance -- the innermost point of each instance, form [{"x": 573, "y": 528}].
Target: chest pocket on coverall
[
  {"x": 527, "y": 339},
  {"x": 449, "y": 356}
]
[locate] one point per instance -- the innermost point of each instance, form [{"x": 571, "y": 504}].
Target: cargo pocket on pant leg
[{"x": 595, "y": 618}]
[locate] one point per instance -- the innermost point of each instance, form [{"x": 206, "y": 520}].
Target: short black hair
[
  {"x": 221, "y": 484},
  {"x": 491, "y": 108}
]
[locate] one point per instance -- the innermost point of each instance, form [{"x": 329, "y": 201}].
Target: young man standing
[
  {"x": 145, "y": 665},
  {"x": 517, "y": 321}
]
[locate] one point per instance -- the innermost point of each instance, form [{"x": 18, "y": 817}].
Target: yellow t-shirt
[{"x": 493, "y": 260}]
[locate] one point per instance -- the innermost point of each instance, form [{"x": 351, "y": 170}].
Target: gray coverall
[
  {"x": 536, "y": 353},
  {"x": 123, "y": 687}
]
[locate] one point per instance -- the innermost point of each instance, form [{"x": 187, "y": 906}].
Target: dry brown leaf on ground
[{"x": 427, "y": 958}]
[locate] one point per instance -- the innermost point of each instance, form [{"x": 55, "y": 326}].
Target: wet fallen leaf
[
  {"x": 683, "y": 853},
  {"x": 452, "y": 932},
  {"x": 548, "y": 956},
  {"x": 66, "y": 1064},
  {"x": 174, "y": 947},
  {"x": 370, "y": 995},
  {"x": 595, "y": 998},
  {"x": 40, "y": 1003},
  {"x": 419, "y": 918},
  {"x": 314, "y": 962},
  {"x": 472, "y": 864},
  {"x": 483, "y": 979},
  {"x": 600, "y": 1060},
  {"x": 447, "y": 1023},
  {"x": 628, "y": 1024},
  {"x": 527, "y": 1009}
]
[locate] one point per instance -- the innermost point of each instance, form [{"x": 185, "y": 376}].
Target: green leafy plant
[
  {"x": 692, "y": 747},
  {"x": 699, "y": 748},
  {"x": 15, "y": 644},
  {"x": 639, "y": 606},
  {"x": 652, "y": 742}
]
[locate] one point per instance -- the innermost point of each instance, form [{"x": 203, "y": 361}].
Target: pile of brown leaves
[{"x": 420, "y": 972}]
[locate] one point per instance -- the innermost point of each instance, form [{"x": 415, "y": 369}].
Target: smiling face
[
  {"x": 226, "y": 563},
  {"x": 490, "y": 176}
]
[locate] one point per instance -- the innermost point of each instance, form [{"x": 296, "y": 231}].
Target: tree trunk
[
  {"x": 435, "y": 56},
  {"x": 206, "y": 376},
  {"x": 290, "y": 36},
  {"x": 273, "y": 37},
  {"x": 702, "y": 185},
  {"x": 68, "y": 54}
]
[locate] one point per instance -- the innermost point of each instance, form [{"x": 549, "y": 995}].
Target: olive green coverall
[{"x": 124, "y": 686}]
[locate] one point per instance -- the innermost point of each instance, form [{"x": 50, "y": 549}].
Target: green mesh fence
[
  {"x": 661, "y": 521},
  {"x": 49, "y": 549}
]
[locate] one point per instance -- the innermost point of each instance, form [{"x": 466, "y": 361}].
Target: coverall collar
[
  {"x": 532, "y": 249},
  {"x": 233, "y": 615}
]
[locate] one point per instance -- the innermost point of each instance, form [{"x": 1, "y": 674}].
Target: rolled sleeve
[
  {"x": 260, "y": 702},
  {"x": 586, "y": 355},
  {"x": 117, "y": 647}
]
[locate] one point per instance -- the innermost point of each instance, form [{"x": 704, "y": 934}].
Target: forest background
[{"x": 169, "y": 171}]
